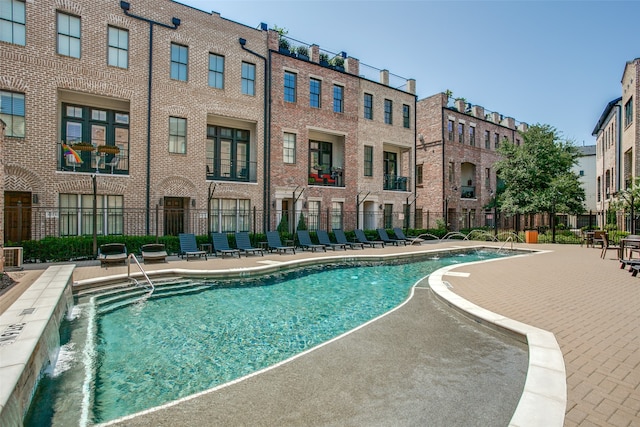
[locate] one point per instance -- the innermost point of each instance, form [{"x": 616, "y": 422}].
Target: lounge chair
[
  {"x": 323, "y": 239},
  {"x": 244, "y": 244},
  {"x": 304, "y": 239},
  {"x": 153, "y": 252},
  {"x": 400, "y": 235},
  {"x": 342, "y": 238},
  {"x": 221, "y": 245},
  {"x": 360, "y": 237},
  {"x": 385, "y": 238},
  {"x": 274, "y": 243},
  {"x": 112, "y": 253},
  {"x": 188, "y": 246}
]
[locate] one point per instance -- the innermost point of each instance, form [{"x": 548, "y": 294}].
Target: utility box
[
  {"x": 531, "y": 236},
  {"x": 13, "y": 258}
]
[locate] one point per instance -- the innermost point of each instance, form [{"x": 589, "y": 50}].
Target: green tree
[
  {"x": 537, "y": 175},
  {"x": 302, "y": 225}
]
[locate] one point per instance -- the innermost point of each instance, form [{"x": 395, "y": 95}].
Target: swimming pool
[{"x": 142, "y": 355}]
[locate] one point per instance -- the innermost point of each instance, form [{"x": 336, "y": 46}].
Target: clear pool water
[{"x": 144, "y": 355}]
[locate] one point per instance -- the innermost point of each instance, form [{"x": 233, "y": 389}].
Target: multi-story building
[
  {"x": 159, "y": 114},
  {"x": 617, "y": 138},
  {"x": 455, "y": 156},
  {"x": 336, "y": 150},
  {"x": 608, "y": 178}
]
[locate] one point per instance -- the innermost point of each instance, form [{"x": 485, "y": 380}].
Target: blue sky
[{"x": 550, "y": 62}]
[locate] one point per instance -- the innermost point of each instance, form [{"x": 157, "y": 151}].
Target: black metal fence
[{"x": 38, "y": 222}]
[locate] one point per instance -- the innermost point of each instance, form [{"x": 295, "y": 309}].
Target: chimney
[
  {"x": 477, "y": 111},
  {"x": 384, "y": 77},
  {"x": 352, "y": 66},
  {"x": 509, "y": 122}
]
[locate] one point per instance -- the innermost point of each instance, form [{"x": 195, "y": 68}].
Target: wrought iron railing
[{"x": 395, "y": 182}]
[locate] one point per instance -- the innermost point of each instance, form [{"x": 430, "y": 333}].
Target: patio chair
[
  {"x": 221, "y": 245},
  {"x": 360, "y": 237},
  {"x": 274, "y": 243},
  {"x": 153, "y": 252},
  {"x": 112, "y": 253},
  {"x": 386, "y": 239},
  {"x": 606, "y": 245},
  {"x": 342, "y": 238},
  {"x": 400, "y": 235},
  {"x": 244, "y": 244},
  {"x": 304, "y": 239},
  {"x": 598, "y": 238},
  {"x": 323, "y": 239},
  {"x": 188, "y": 246}
]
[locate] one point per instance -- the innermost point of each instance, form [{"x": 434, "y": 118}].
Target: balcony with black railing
[
  {"x": 89, "y": 158},
  {"x": 468, "y": 192},
  {"x": 331, "y": 177},
  {"x": 229, "y": 170},
  {"x": 395, "y": 182}
]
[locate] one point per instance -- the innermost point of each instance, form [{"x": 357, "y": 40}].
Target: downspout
[
  {"x": 175, "y": 23},
  {"x": 415, "y": 160},
  {"x": 266, "y": 134},
  {"x": 445, "y": 214}
]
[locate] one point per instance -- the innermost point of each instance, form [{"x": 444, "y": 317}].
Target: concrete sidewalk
[{"x": 591, "y": 306}]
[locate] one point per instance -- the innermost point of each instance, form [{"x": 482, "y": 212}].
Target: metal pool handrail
[{"x": 144, "y": 273}]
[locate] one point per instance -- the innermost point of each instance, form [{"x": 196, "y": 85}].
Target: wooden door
[
  {"x": 173, "y": 216},
  {"x": 17, "y": 216}
]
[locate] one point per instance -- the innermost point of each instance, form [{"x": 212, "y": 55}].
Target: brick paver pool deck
[{"x": 590, "y": 304}]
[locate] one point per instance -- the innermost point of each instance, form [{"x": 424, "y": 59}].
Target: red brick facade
[{"x": 457, "y": 165}]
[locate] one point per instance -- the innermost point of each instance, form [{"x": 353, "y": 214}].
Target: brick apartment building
[
  {"x": 162, "y": 111},
  {"x": 455, "y": 157},
  {"x": 617, "y": 137},
  {"x": 341, "y": 145}
]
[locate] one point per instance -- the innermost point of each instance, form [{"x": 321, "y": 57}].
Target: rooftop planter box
[{"x": 302, "y": 52}]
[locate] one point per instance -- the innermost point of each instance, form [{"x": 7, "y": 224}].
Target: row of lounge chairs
[{"x": 112, "y": 253}]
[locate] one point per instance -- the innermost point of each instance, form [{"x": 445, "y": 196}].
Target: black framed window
[
  {"x": 472, "y": 136},
  {"x": 289, "y": 148},
  {"x": 388, "y": 111},
  {"x": 228, "y": 153},
  {"x": 12, "y": 112},
  {"x": 315, "y": 90},
  {"x": 368, "y": 160},
  {"x": 450, "y": 130},
  {"x": 216, "y": 71},
  {"x": 368, "y": 106},
  {"x": 338, "y": 98},
  {"x": 487, "y": 139},
  {"x": 104, "y": 134},
  {"x": 320, "y": 157},
  {"x": 406, "y": 119},
  {"x": 177, "y": 135},
  {"x": 460, "y": 133},
  {"x": 13, "y": 22},
  {"x": 118, "y": 50},
  {"x": 68, "y": 35},
  {"x": 248, "y": 78},
  {"x": 179, "y": 62},
  {"x": 628, "y": 112},
  {"x": 290, "y": 81}
]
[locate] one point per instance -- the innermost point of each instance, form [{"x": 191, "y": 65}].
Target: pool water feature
[{"x": 145, "y": 354}]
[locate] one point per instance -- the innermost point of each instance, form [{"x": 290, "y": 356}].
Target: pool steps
[{"x": 115, "y": 299}]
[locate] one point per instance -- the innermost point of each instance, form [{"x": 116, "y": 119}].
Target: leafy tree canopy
[{"x": 537, "y": 174}]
